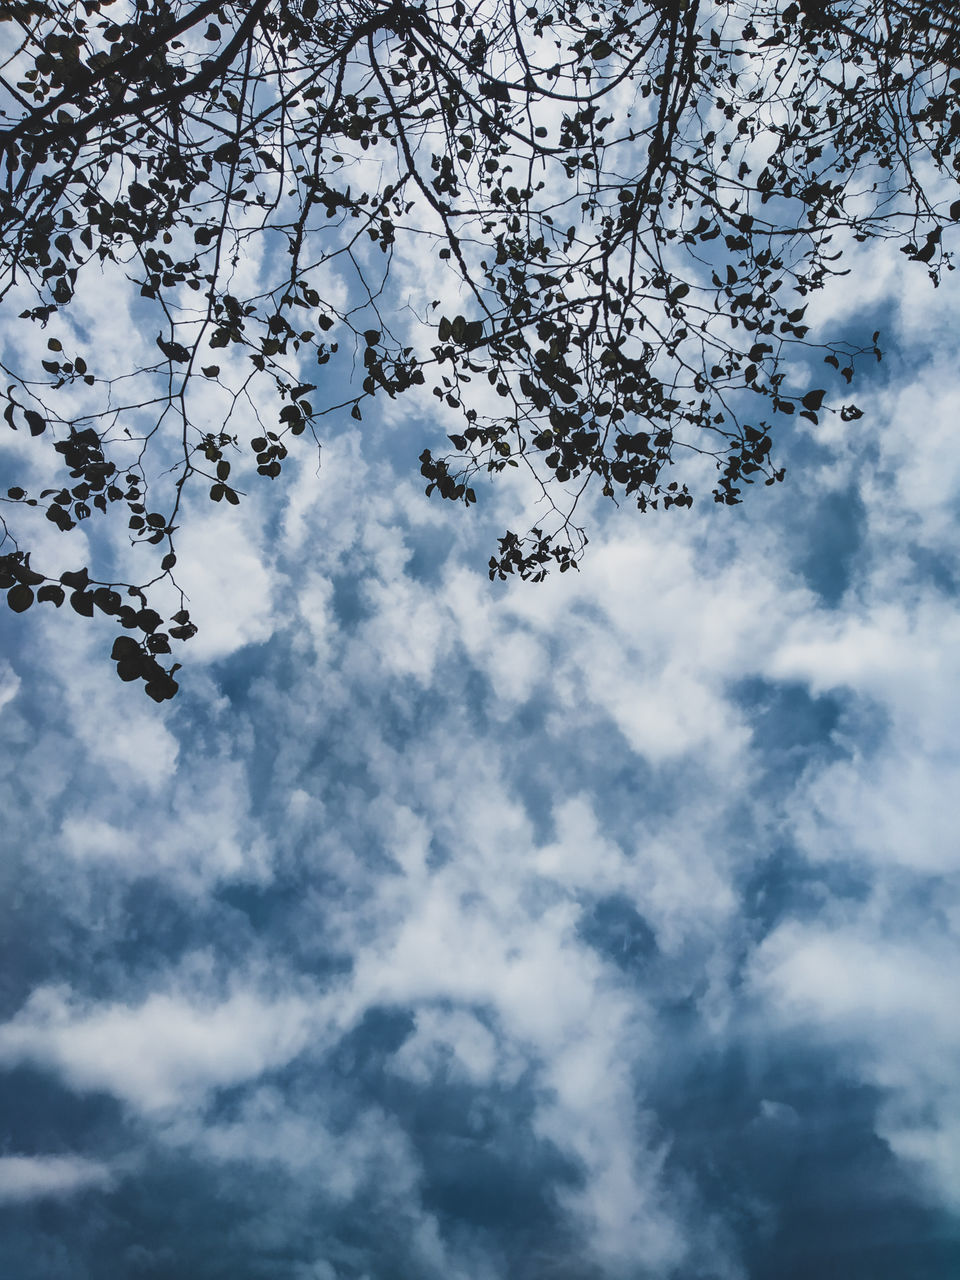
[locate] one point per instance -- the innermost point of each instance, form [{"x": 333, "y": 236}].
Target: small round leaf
[{"x": 20, "y": 597}]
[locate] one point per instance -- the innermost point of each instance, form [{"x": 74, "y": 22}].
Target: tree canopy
[{"x": 632, "y": 203}]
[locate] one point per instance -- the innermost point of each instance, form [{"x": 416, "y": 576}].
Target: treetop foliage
[{"x": 635, "y": 202}]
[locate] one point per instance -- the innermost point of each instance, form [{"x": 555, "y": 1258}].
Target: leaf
[
  {"x": 77, "y": 579},
  {"x": 174, "y": 351},
  {"x": 52, "y": 592},
  {"x": 20, "y": 597},
  {"x": 107, "y": 601},
  {"x": 161, "y": 690},
  {"x": 124, "y": 647},
  {"x": 130, "y": 667},
  {"x": 58, "y": 516},
  {"x": 813, "y": 400},
  {"x": 139, "y": 195},
  {"x": 148, "y": 620},
  {"x": 27, "y": 575},
  {"x": 82, "y": 602}
]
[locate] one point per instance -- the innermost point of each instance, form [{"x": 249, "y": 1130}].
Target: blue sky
[{"x": 601, "y": 929}]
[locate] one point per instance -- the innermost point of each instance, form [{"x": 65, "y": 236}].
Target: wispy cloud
[{"x": 24, "y": 1178}]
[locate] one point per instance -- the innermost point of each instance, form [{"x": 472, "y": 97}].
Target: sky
[{"x": 600, "y": 929}]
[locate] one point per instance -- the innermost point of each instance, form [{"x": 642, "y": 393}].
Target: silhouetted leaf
[
  {"x": 77, "y": 579},
  {"x": 82, "y": 602},
  {"x": 20, "y": 597}
]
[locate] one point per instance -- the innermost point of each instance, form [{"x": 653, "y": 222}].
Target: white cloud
[
  {"x": 847, "y": 981},
  {"x": 201, "y": 833},
  {"x": 890, "y": 1004},
  {"x": 165, "y": 1052},
  {"x": 485, "y": 951},
  {"x": 9, "y": 683},
  {"x": 884, "y": 802},
  {"x": 24, "y": 1178},
  {"x": 454, "y": 1041},
  {"x": 224, "y": 571},
  {"x": 128, "y": 737},
  {"x": 268, "y": 1130}
]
